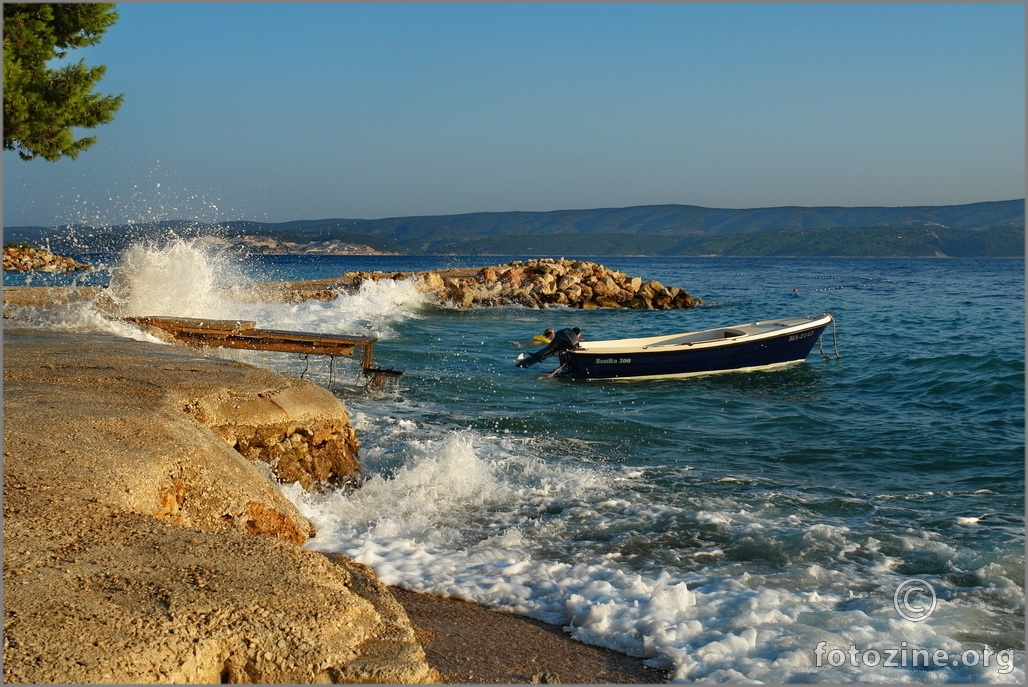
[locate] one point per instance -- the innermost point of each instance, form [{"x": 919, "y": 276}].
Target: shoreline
[
  {"x": 96, "y": 526},
  {"x": 470, "y": 643}
]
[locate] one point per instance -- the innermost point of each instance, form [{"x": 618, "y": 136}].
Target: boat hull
[{"x": 792, "y": 345}]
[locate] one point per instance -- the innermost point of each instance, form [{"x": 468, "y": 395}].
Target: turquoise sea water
[{"x": 736, "y": 526}]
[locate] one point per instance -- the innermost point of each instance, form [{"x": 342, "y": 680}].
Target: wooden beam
[
  {"x": 257, "y": 340},
  {"x": 245, "y": 335},
  {"x": 192, "y": 323}
]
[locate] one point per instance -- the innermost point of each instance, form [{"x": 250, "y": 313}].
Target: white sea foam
[
  {"x": 971, "y": 520},
  {"x": 372, "y": 310},
  {"x": 177, "y": 279},
  {"x": 82, "y": 316},
  {"x": 471, "y": 516}
]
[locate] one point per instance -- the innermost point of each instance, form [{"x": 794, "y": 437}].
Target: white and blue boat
[{"x": 753, "y": 346}]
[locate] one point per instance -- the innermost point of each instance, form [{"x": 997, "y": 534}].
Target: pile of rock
[
  {"x": 26, "y": 258},
  {"x": 541, "y": 283}
]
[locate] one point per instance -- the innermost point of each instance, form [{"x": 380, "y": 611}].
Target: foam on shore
[{"x": 483, "y": 518}]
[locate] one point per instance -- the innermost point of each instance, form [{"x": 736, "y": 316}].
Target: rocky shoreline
[
  {"x": 25, "y": 258},
  {"x": 547, "y": 282},
  {"x": 145, "y": 542},
  {"x": 140, "y": 545},
  {"x": 538, "y": 283},
  {"x": 541, "y": 283}
]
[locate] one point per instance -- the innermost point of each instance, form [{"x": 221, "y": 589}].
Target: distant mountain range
[{"x": 991, "y": 229}]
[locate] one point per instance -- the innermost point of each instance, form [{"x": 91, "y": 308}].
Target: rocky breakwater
[
  {"x": 25, "y": 258},
  {"x": 538, "y": 283},
  {"x": 542, "y": 283},
  {"x": 143, "y": 544}
]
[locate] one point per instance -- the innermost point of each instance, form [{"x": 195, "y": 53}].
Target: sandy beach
[{"x": 468, "y": 643}]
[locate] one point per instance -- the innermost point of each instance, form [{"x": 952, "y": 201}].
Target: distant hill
[{"x": 993, "y": 229}]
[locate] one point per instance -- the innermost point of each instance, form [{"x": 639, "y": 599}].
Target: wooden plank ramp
[{"x": 245, "y": 334}]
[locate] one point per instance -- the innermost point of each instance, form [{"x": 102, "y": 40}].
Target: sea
[{"x": 857, "y": 517}]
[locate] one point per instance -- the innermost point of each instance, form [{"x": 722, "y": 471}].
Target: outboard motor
[{"x": 563, "y": 340}]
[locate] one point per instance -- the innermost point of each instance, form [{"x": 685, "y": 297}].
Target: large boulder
[
  {"x": 302, "y": 433},
  {"x": 140, "y": 546}
]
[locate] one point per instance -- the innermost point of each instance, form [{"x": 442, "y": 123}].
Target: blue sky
[{"x": 278, "y": 112}]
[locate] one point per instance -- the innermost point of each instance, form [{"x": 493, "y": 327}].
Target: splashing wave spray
[
  {"x": 190, "y": 278},
  {"x": 179, "y": 279}
]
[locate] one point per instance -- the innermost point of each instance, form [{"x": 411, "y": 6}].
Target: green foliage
[{"x": 43, "y": 104}]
